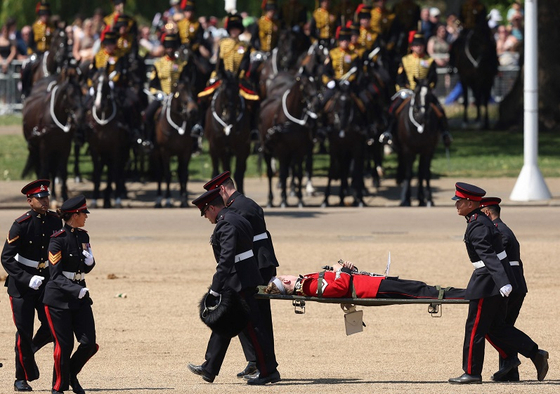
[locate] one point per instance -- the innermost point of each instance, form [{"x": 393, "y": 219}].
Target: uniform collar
[{"x": 474, "y": 212}]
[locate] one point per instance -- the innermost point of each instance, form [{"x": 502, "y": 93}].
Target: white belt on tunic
[
  {"x": 502, "y": 255},
  {"x": 243, "y": 256},
  {"x": 260, "y": 236},
  {"x": 74, "y": 275},
  {"x": 30, "y": 263}
]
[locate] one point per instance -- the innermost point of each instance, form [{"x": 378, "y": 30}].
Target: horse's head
[
  {"x": 186, "y": 105},
  {"x": 59, "y": 46},
  {"x": 309, "y": 86},
  {"x": 103, "y": 93},
  {"x": 229, "y": 96},
  {"x": 69, "y": 100},
  {"x": 422, "y": 100},
  {"x": 291, "y": 44}
]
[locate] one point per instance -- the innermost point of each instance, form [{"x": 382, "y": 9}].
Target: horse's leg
[
  {"x": 358, "y": 176},
  {"x": 283, "y": 175},
  {"x": 331, "y": 175},
  {"x": 408, "y": 161},
  {"x": 120, "y": 188},
  {"x": 345, "y": 163},
  {"x": 63, "y": 171},
  {"x": 377, "y": 172},
  {"x": 77, "y": 174},
  {"x": 97, "y": 169},
  {"x": 109, "y": 186},
  {"x": 299, "y": 173},
  {"x": 465, "y": 103},
  {"x": 421, "y": 178},
  {"x": 183, "y": 161},
  {"x": 167, "y": 175},
  {"x": 427, "y": 162},
  {"x": 309, "y": 189},
  {"x": 270, "y": 174},
  {"x": 240, "y": 168}
]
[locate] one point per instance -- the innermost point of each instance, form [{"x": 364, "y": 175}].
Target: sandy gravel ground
[{"x": 162, "y": 261}]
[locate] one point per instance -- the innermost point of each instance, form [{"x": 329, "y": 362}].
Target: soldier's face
[
  {"x": 418, "y": 49},
  {"x": 39, "y": 205},
  {"x": 234, "y": 32},
  {"x": 344, "y": 44},
  {"x": 289, "y": 282},
  {"x": 464, "y": 207}
]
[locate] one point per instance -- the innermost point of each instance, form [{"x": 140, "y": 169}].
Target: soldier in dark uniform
[
  {"x": 25, "y": 259},
  {"x": 418, "y": 64},
  {"x": 262, "y": 248},
  {"x": 38, "y": 43},
  {"x": 323, "y": 25},
  {"x": 491, "y": 207},
  {"x": 167, "y": 71},
  {"x": 67, "y": 300},
  {"x": 237, "y": 268},
  {"x": 488, "y": 289}
]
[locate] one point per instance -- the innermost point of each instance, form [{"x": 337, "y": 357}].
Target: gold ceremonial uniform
[
  {"x": 268, "y": 33},
  {"x": 367, "y": 38},
  {"x": 381, "y": 20},
  {"x": 341, "y": 61},
  {"x": 167, "y": 71},
  {"x": 110, "y": 19},
  {"x": 42, "y": 35},
  {"x": 414, "y": 66},
  {"x": 107, "y": 61},
  {"x": 470, "y": 14},
  {"x": 124, "y": 44},
  {"x": 325, "y": 28},
  {"x": 187, "y": 32},
  {"x": 232, "y": 51}
]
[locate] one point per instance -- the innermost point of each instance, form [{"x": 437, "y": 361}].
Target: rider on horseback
[
  {"x": 168, "y": 70},
  {"x": 39, "y": 41},
  {"x": 234, "y": 55},
  {"x": 265, "y": 37},
  {"x": 191, "y": 32},
  {"x": 323, "y": 25},
  {"x": 419, "y": 65}
]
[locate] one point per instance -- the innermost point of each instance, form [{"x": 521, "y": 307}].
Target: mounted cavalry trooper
[
  {"x": 38, "y": 43},
  {"x": 265, "y": 37},
  {"x": 416, "y": 65},
  {"x": 127, "y": 42},
  {"x": 25, "y": 259},
  {"x": 167, "y": 71},
  {"x": 368, "y": 37},
  {"x": 234, "y": 56},
  {"x": 323, "y": 25},
  {"x": 118, "y": 9},
  {"x": 191, "y": 32}
]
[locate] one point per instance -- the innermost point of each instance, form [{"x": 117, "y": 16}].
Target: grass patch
[{"x": 487, "y": 154}]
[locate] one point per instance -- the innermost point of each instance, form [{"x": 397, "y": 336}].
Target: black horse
[
  {"x": 108, "y": 141},
  {"x": 474, "y": 56},
  {"x": 285, "y": 130},
  {"x": 174, "y": 121},
  {"x": 417, "y": 134},
  {"x": 51, "y": 114},
  {"x": 227, "y": 128},
  {"x": 347, "y": 135}
]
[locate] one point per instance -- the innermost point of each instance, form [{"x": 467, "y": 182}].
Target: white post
[{"x": 530, "y": 185}]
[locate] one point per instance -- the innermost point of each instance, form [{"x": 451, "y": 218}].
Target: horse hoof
[
  {"x": 168, "y": 205},
  {"x": 283, "y": 204},
  {"x": 78, "y": 179},
  {"x": 158, "y": 205},
  {"x": 324, "y": 204},
  {"x": 430, "y": 204},
  {"x": 184, "y": 204},
  {"x": 421, "y": 203},
  {"x": 405, "y": 204}
]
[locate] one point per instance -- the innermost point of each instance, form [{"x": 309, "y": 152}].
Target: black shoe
[
  {"x": 76, "y": 387},
  {"x": 466, "y": 379},
  {"x": 21, "y": 385},
  {"x": 250, "y": 369},
  {"x": 198, "y": 370},
  {"x": 252, "y": 376},
  {"x": 53, "y": 391},
  {"x": 508, "y": 364},
  {"x": 541, "y": 363},
  {"x": 262, "y": 380}
]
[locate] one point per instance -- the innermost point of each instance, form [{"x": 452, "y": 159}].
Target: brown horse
[
  {"x": 227, "y": 128},
  {"x": 50, "y": 115},
  {"x": 108, "y": 141},
  {"x": 474, "y": 55},
  {"x": 285, "y": 129},
  {"x": 347, "y": 135},
  {"x": 174, "y": 121},
  {"x": 418, "y": 133},
  {"x": 48, "y": 63}
]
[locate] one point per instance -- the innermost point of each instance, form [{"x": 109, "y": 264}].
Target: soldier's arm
[
  {"x": 226, "y": 235},
  {"x": 55, "y": 268},
  {"x": 402, "y": 78},
  {"x": 432, "y": 75},
  {"x": 154, "y": 84},
  {"x": 480, "y": 237},
  {"x": 11, "y": 248}
]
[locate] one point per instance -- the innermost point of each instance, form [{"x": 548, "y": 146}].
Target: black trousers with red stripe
[
  {"x": 486, "y": 319},
  {"x": 266, "y": 315},
  {"x": 65, "y": 323},
  {"x": 406, "y": 288},
  {"x": 256, "y": 332},
  {"x": 23, "y": 310}
]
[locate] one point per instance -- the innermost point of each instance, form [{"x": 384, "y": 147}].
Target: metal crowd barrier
[{"x": 10, "y": 85}]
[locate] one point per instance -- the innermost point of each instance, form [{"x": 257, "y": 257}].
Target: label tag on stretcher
[{"x": 353, "y": 322}]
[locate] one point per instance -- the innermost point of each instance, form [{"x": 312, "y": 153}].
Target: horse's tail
[{"x": 30, "y": 164}]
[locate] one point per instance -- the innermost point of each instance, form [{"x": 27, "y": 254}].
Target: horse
[
  {"x": 48, "y": 63},
  {"x": 51, "y": 114},
  {"x": 227, "y": 127},
  {"x": 292, "y": 45},
  {"x": 174, "y": 121},
  {"x": 347, "y": 136},
  {"x": 418, "y": 132},
  {"x": 474, "y": 55},
  {"x": 108, "y": 141},
  {"x": 284, "y": 130}
]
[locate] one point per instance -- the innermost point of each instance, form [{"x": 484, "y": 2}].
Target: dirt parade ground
[{"x": 153, "y": 266}]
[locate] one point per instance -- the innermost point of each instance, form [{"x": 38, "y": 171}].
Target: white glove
[
  {"x": 89, "y": 256},
  {"x": 331, "y": 84},
  {"x": 83, "y": 292},
  {"x": 91, "y": 91},
  {"x": 506, "y": 290},
  {"x": 36, "y": 282}
]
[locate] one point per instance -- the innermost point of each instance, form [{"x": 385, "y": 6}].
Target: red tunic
[{"x": 337, "y": 285}]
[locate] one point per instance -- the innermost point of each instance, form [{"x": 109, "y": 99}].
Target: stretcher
[{"x": 299, "y": 302}]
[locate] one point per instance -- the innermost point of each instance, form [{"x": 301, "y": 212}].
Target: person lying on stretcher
[{"x": 344, "y": 281}]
